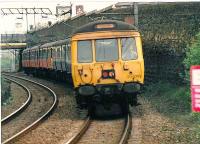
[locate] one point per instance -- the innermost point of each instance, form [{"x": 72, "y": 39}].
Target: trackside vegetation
[
  {"x": 192, "y": 55},
  {"x": 174, "y": 101}
]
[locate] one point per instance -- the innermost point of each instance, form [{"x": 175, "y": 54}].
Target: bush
[{"x": 192, "y": 55}]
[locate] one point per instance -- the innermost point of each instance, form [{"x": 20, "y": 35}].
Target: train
[{"x": 103, "y": 59}]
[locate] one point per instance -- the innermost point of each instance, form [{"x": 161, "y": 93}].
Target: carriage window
[
  {"x": 45, "y": 53},
  {"x": 106, "y": 50},
  {"x": 68, "y": 53},
  {"x": 41, "y": 54},
  {"x": 58, "y": 52},
  {"x": 129, "y": 49},
  {"x": 49, "y": 52},
  {"x": 54, "y": 52},
  {"x": 84, "y": 51},
  {"x": 31, "y": 55},
  {"x": 63, "y": 51}
]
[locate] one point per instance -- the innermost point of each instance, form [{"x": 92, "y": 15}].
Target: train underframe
[
  {"x": 49, "y": 73},
  {"x": 108, "y": 94}
]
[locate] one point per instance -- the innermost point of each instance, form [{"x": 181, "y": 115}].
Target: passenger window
[
  {"x": 84, "y": 51},
  {"x": 46, "y": 54},
  {"x": 68, "y": 53},
  {"x": 129, "y": 49},
  {"x": 40, "y": 53},
  {"x": 53, "y": 52},
  {"x": 63, "y": 51},
  {"x": 58, "y": 52},
  {"x": 49, "y": 52}
]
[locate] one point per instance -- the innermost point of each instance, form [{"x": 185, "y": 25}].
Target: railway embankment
[
  {"x": 13, "y": 96},
  {"x": 167, "y": 112},
  {"x": 166, "y": 107},
  {"x": 5, "y": 91}
]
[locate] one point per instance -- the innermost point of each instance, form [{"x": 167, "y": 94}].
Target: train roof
[
  {"x": 55, "y": 43},
  {"x": 103, "y": 25}
]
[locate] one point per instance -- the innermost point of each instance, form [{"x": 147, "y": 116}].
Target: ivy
[{"x": 192, "y": 55}]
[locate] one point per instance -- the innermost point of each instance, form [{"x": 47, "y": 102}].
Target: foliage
[
  {"x": 192, "y": 55},
  {"x": 175, "y": 102},
  {"x": 171, "y": 100},
  {"x": 5, "y": 91}
]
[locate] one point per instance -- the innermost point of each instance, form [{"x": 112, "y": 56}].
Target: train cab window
[
  {"x": 129, "y": 49},
  {"x": 85, "y": 51},
  {"x": 106, "y": 50}
]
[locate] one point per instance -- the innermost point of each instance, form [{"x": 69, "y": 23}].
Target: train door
[
  {"x": 46, "y": 58},
  {"x": 58, "y": 60},
  {"x": 68, "y": 58},
  {"x": 31, "y": 58},
  {"x": 40, "y": 58},
  {"x": 28, "y": 59},
  {"x": 54, "y": 57},
  {"x": 37, "y": 59},
  {"x": 63, "y": 58},
  {"x": 49, "y": 58}
]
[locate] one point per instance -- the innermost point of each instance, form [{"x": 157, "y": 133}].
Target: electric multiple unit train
[{"x": 103, "y": 59}]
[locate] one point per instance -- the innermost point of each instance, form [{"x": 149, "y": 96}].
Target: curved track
[
  {"x": 127, "y": 129},
  {"x": 22, "y": 107},
  {"x": 84, "y": 128},
  {"x": 48, "y": 112}
]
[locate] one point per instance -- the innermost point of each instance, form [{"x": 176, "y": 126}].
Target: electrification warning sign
[{"x": 195, "y": 87}]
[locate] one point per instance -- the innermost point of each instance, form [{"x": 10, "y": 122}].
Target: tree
[{"x": 192, "y": 55}]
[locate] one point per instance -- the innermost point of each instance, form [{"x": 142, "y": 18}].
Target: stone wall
[{"x": 167, "y": 29}]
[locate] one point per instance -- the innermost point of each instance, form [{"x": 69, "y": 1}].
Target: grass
[
  {"x": 5, "y": 92},
  {"x": 175, "y": 102}
]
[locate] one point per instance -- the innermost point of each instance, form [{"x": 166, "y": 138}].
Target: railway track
[
  {"x": 22, "y": 107},
  {"x": 10, "y": 121},
  {"x": 124, "y": 137}
]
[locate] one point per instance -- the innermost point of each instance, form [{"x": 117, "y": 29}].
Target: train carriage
[
  {"x": 104, "y": 59},
  {"x": 107, "y": 62},
  {"x": 25, "y": 59}
]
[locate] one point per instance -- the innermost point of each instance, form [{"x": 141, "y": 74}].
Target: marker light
[
  {"x": 102, "y": 26},
  {"x": 105, "y": 74}
]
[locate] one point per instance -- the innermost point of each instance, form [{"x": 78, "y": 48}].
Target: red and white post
[{"x": 195, "y": 87}]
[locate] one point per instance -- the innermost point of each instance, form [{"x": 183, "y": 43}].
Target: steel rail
[
  {"x": 39, "y": 119},
  {"x": 82, "y": 130},
  {"x": 127, "y": 130},
  {"x": 22, "y": 107}
]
